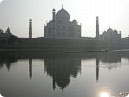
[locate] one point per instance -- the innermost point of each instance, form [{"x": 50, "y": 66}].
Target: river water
[{"x": 37, "y": 74}]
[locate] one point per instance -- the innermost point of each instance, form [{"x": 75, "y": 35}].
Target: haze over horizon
[{"x": 112, "y": 13}]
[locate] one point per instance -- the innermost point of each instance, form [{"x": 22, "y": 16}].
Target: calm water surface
[{"x": 31, "y": 74}]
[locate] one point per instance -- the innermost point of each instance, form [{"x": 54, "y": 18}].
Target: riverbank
[{"x": 51, "y": 50}]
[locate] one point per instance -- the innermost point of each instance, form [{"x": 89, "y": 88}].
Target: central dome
[{"x": 62, "y": 15}]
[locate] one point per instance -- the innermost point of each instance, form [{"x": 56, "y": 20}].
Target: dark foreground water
[{"x": 36, "y": 74}]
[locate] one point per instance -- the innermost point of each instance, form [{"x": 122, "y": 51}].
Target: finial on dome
[{"x": 62, "y": 6}]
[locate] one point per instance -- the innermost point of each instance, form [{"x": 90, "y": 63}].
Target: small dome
[
  {"x": 30, "y": 20},
  {"x": 62, "y": 15},
  {"x": 74, "y": 21},
  {"x": 109, "y": 30},
  {"x": 53, "y": 10}
]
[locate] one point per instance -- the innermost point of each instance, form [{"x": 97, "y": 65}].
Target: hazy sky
[{"x": 112, "y": 13}]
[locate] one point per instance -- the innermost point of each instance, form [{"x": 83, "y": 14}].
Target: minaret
[
  {"x": 30, "y": 28},
  {"x": 54, "y": 22},
  {"x": 97, "y": 27}
]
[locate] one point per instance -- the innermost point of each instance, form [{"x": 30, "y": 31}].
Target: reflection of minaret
[
  {"x": 97, "y": 68},
  {"x": 30, "y": 28},
  {"x": 97, "y": 27},
  {"x": 8, "y": 65},
  {"x": 54, "y": 83},
  {"x": 30, "y": 68}
]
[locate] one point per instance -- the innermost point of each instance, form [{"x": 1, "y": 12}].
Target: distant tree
[
  {"x": 9, "y": 37},
  {"x": 8, "y": 30},
  {"x": 1, "y": 31},
  {"x": 12, "y": 39},
  {"x": 3, "y": 42}
]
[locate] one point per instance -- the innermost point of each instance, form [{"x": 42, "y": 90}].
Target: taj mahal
[{"x": 61, "y": 27}]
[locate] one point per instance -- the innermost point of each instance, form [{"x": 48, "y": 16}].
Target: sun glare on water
[
  {"x": 104, "y": 94},
  {"x": 1, "y": 95}
]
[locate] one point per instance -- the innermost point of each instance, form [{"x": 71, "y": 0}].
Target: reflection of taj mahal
[{"x": 61, "y": 26}]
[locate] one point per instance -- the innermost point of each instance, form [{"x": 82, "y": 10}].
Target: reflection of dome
[{"x": 62, "y": 15}]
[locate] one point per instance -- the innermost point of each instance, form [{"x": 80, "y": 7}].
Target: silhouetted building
[
  {"x": 110, "y": 35},
  {"x": 30, "y": 28},
  {"x": 97, "y": 27},
  {"x": 61, "y": 27}
]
